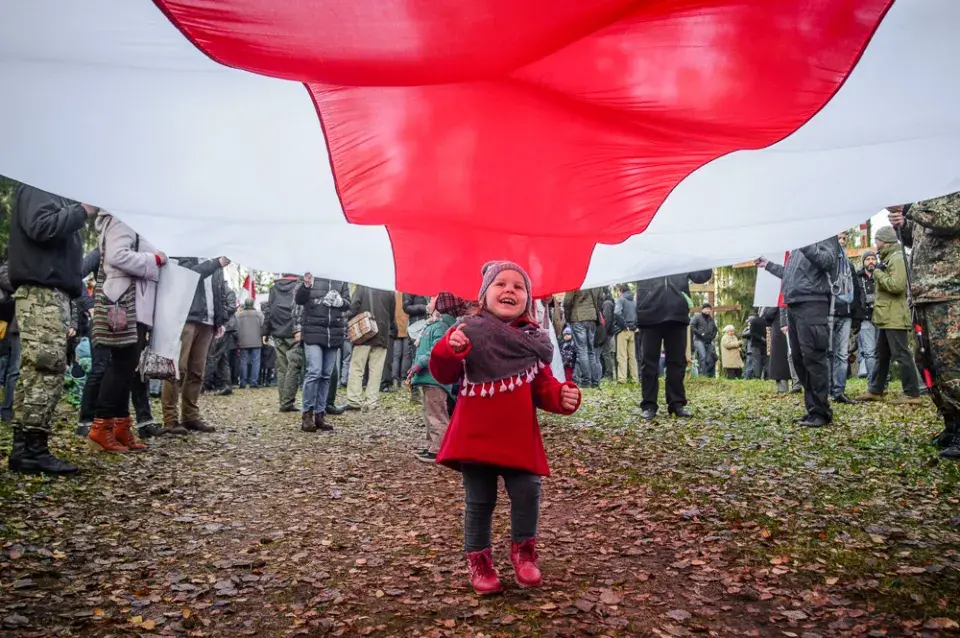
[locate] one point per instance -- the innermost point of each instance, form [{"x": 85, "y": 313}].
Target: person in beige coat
[
  {"x": 124, "y": 301},
  {"x": 730, "y": 353}
]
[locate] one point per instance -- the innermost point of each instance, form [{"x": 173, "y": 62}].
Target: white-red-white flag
[{"x": 403, "y": 143}]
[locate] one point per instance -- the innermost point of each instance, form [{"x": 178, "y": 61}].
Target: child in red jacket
[{"x": 502, "y": 359}]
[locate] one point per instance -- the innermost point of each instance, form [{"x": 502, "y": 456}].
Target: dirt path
[{"x": 263, "y": 530}]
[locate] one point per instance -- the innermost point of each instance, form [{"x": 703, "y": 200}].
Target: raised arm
[{"x": 45, "y": 217}]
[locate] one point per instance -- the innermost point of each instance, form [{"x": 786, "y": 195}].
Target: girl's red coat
[{"x": 502, "y": 430}]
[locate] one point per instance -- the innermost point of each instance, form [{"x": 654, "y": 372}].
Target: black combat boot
[
  {"x": 307, "y": 423},
  {"x": 950, "y": 447},
  {"x": 30, "y": 455}
]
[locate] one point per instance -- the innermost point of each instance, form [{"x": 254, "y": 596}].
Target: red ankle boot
[
  {"x": 483, "y": 575},
  {"x": 525, "y": 566},
  {"x": 124, "y": 435}
]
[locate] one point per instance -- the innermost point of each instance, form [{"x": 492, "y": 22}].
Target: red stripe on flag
[{"x": 534, "y": 130}]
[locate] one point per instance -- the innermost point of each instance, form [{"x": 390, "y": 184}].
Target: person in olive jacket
[
  {"x": 663, "y": 315},
  {"x": 382, "y": 304},
  {"x": 891, "y": 316},
  {"x": 323, "y": 328}
]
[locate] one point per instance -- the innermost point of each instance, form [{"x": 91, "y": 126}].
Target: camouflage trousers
[
  {"x": 941, "y": 325},
  {"x": 44, "y": 317}
]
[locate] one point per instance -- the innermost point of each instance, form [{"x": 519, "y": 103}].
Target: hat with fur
[{"x": 490, "y": 271}]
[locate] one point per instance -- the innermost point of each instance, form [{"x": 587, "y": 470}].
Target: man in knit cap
[{"x": 891, "y": 316}]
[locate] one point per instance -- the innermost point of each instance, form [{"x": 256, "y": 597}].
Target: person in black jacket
[
  {"x": 416, "y": 308},
  {"x": 45, "y": 258},
  {"x": 704, "y": 329},
  {"x": 209, "y": 312},
  {"x": 279, "y": 324},
  {"x": 756, "y": 337},
  {"x": 323, "y": 328},
  {"x": 866, "y": 335},
  {"x": 663, "y": 315},
  {"x": 806, "y": 291}
]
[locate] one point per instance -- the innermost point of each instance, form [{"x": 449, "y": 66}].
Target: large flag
[{"x": 403, "y": 143}]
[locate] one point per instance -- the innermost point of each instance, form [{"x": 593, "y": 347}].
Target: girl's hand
[
  {"x": 569, "y": 398},
  {"x": 459, "y": 340}
]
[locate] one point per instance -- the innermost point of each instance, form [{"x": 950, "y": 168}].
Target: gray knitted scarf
[{"x": 502, "y": 356}]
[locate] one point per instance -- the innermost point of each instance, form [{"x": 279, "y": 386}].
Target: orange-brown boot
[
  {"x": 122, "y": 431},
  {"x": 101, "y": 438}
]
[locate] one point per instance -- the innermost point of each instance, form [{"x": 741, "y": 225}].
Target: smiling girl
[{"x": 502, "y": 359}]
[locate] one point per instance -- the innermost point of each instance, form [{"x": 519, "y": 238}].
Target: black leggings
[
  {"x": 114, "y": 399},
  {"x": 480, "y": 491}
]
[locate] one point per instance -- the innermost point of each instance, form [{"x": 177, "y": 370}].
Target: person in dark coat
[
  {"x": 280, "y": 326},
  {"x": 323, "y": 328},
  {"x": 704, "y": 329},
  {"x": 663, "y": 315},
  {"x": 415, "y": 306},
  {"x": 382, "y": 304},
  {"x": 210, "y": 310},
  {"x": 806, "y": 291}
]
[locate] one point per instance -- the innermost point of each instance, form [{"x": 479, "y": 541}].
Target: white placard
[
  {"x": 175, "y": 290},
  {"x": 767, "y": 290}
]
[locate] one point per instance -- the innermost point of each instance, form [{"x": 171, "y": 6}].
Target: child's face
[
  {"x": 568, "y": 337},
  {"x": 506, "y": 297}
]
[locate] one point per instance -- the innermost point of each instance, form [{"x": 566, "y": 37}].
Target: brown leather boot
[
  {"x": 307, "y": 423},
  {"x": 101, "y": 438},
  {"x": 321, "y": 425},
  {"x": 124, "y": 436}
]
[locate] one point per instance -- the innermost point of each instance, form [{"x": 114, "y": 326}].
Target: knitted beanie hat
[
  {"x": 490, "y": 271},
  {"x": 887, "y": 235}
]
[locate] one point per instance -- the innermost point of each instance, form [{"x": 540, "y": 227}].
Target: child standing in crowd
[
  {"x": 730, "y": 353},
  {"x": 504, "y": 359},
  {"x": 442, "y": 312},
  {"x": 568, "y": 352}
]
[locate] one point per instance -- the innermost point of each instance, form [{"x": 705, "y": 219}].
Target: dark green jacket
[
  {"x": 428, "y": 338},
  {"x": 890, "y": 310}
]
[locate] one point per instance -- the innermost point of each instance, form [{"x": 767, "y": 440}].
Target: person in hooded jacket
[
  {"x": 323, "y": 324},
  {"x": 279, "y": 324},
  {"x": 663, "y": 315},
  {"x": 806, "y": 291}
]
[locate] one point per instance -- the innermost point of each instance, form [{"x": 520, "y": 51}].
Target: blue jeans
[
  {"x": 10, "y": 378},
  {"x": 584, "y": 333},
  {"x": 250, "y": 367},
  {"x": 838, "y": 358},
  {"x": 706, "y": 359},
  {"x": 316, "y": 382},
  {"x": 867, "y": 344}
]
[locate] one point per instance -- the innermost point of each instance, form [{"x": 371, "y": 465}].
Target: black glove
[{"x": 881, "y": 266}]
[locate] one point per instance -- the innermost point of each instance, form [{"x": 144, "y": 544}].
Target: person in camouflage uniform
[
  {"x": 45, "y": 259},
  {"x": 932, "y": 228}
]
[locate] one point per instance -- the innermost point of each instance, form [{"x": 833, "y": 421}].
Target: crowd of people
[{"x": 479, "y": 368}]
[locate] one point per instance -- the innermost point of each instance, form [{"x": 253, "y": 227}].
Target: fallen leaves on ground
[{"x": 733, "y": 523}]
